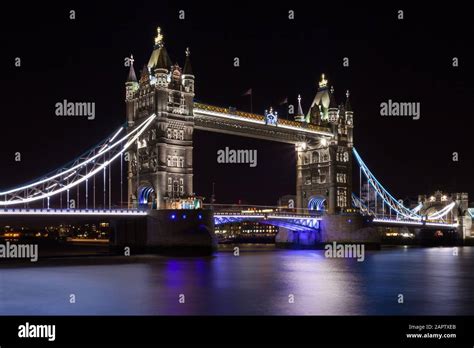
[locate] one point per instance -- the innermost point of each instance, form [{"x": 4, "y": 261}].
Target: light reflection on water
[{"x": 258, "y": 282}]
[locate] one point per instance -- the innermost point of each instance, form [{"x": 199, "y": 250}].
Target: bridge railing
[
  {"x": 78, "y": 211},
  {"x": 260, "y": 209}
]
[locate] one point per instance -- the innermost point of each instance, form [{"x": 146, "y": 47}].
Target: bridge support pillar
[
  {"x": 348, "y": 228},
  {"x": 287, "y": 238},
  {"x": 168, "y": 231}
]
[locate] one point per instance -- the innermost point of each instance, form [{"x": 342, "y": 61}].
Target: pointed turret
[
  {"x": 349, "y": 113},
  {"x": 320, "y": 104},
  {"x": 132, "y": 77},
  {"x": 332, "y": 99},
  {"x": 348, "y": 106},
  {"x": 131, "y": 86},
  {"x": 299, "y": 115},
  {"x": 332, "y": 109},
  {"x": 187, "y": 64},
  {"x": 159, "y": 63},
  {"x": 188, "y": 77}
]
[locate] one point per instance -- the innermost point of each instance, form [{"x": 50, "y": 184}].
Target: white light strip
[
  {"x": 441, "y": 224},
  {"x": 52, "y": 186},
  {"x": 239, "y": 118},
  {"x": 142, "y": 128},
  {"x": 220, "y": 215},
  {"x": 103, "y": 148},
  {"x": 442, "y": 212},
  {"x": 399, "y": 222},
  {"x": 240, "y": 216},
  {"x": 72, "y": 212},
  {"x": 80, "y": 164},
  {"x": 67, "y": 177},
  {"x": 293, "y": 217},
  {"x": 417, "y": 208},
  {"x": 116, "y": 134}
]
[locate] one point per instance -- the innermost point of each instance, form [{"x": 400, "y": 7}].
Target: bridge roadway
[{"x": 298, "y": 222}]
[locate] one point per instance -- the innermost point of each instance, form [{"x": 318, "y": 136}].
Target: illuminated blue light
[
  {"x": 173, "y": 216},
  {"x": 184, "y": 216},
  {"x": 200, "y": 216}
]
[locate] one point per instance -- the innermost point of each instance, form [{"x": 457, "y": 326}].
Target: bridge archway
[
  {"x": 146, "y": 196},
  {"x": 317, "y": 203}
]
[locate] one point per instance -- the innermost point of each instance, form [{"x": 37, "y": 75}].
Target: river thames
[{"x": 263, "y": 280}]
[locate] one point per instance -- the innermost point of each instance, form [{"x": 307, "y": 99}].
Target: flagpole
[{"x": 251, "y": 102}]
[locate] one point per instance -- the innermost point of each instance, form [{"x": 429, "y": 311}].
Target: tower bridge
[
  {"x": 154, "y": 153},
  {"x": 161, "y": 172}
]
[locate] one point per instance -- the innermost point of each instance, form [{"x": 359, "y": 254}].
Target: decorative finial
[
  {"x": 159, "y": 37},
  {"x": 299, "y": 98},
  {"x": 131, "y": 59},
  {"x": 332, "y": 89},
  {"x": 323, "y": 82},
  {"x": 188, "y": 52},
  {"x": 347, "y": 93}
]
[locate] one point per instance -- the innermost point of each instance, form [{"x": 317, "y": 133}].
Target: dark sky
[{"x": 406, "y": 60}]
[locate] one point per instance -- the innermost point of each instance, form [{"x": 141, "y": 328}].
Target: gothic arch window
[
  {"x": 315, "y": 157},
  {"x": 181, "y": 162},
  {"x": 181, "y": 135},
  {"x": 341, "y": 198},
  {"x": 175, "y": 187},
  {"x": 169, "y": 162},
  {"x": 174, "y": 161},
  {"x": 168, "y": 133},
  {"x": 175, "y": 134}
]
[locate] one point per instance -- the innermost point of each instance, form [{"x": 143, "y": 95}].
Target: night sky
[{"x": 406, "y": 60}]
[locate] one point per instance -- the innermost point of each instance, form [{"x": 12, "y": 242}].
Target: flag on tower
[{"x": 249, "y": 92}]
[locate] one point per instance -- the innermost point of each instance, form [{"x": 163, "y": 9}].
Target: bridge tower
[
  {"x": 160, "y": 165},
  {"x": 324, "y": 166}
]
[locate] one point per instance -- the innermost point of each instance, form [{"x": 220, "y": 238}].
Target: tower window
[{"x": 174, "y": 161}]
